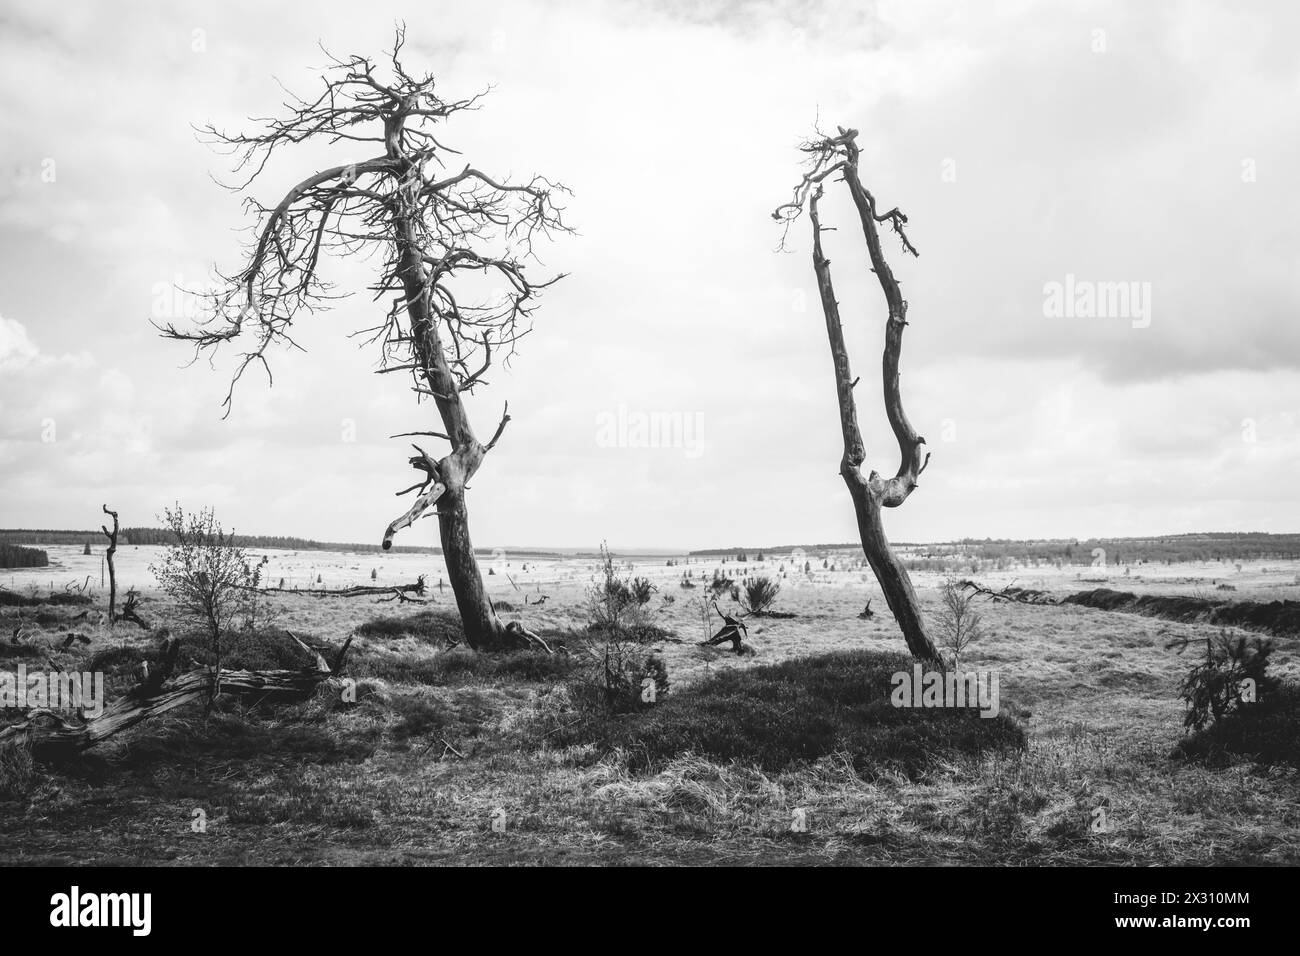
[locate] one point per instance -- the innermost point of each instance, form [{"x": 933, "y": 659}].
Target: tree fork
[{"x": 872, "y": 493}]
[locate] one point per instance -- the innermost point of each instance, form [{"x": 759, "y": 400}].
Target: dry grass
[{"x": 416, "y": 770}]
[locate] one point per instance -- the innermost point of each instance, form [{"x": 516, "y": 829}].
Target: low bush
[
  {"x": 778, "y": 716},
  {"x": 436, "y": 627},
  {"x": 1235, "y": 708},
  {"x": 760, "y": 595},
  {"x": 1267, "y": 731}
]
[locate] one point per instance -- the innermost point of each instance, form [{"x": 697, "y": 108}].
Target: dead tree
[
  {"x": 454, "y": 247},
  {"x": 1009, "y": 593},
  {"x": 839, "y": 155},
  {"x": 393, "y": 591},
  {"x": 733, "y": 629},
  {"x": 131, "y": 609},
  {"x": 112, "y": 573}
]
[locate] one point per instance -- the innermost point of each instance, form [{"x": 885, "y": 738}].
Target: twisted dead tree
[
  {"x": 131, "y": 609},
  {"x": 112, "y": 572},
  {"x": 454, "y": 246},
  {"x": 733, "y": 629},
  {"x": 838, "y": 155}
]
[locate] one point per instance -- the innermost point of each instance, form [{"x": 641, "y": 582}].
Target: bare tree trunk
[
  {"x": 483, "y": 629},
  {"x": 892, "y": 577},
  {"x": 873, "y": 493},
  {"x": 112, "y": 573}
]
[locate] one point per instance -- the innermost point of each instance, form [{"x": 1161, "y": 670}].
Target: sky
[{"x": 1102, "y": 341}]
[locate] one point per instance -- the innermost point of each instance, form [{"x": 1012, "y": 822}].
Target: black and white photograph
[{"x": 648, "y": 433}]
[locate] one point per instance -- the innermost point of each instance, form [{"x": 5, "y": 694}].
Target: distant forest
[
  {"x": 1166, "y": 549},
  {"x": 12, "y": 556},
  {"x": 133, "y": 536},
  {"x": 138, "y": 536}
]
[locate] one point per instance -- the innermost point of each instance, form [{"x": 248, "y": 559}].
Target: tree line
[{"x": 16, "y": 556}]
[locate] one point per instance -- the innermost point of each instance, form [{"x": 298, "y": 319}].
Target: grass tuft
[{"x": 779, "y": 716}]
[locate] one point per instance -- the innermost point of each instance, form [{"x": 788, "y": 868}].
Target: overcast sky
[{"x": 1153, "y": 144}]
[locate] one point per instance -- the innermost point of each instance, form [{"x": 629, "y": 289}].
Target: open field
[{"x": 438, "y": 745}]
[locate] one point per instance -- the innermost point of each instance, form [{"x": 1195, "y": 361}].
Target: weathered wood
[
  {"x": 1009, "y": 593},
  {"x": 50, "y": 734},
  {"x": 733, "y": 629},
  {"x": 131, "y": 610},
  {"x": 872, "y": 493},
  {"x": 397, "y": 590},
  {"x": 112, "y": 572}
]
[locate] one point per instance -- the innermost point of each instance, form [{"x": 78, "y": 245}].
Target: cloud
[
  {"x": 16, "y": 348},
  {"x": 1021, "y": 152}
]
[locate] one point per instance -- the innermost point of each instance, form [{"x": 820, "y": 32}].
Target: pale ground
[{"x": 1100, "y": 688}]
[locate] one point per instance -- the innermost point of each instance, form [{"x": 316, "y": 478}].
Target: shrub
[
  {"x": 1213, "y": 689},
  {"x": 959, "y": 621},
  {"x": 207, "y": 574},
  {"x": 720, "y": 584},
  {"x": 642, "y": 589},
  {"x": 760, "y": 595},
  {"x": 618, "y": 666},
  {"x": 777, "y": 716},
  {"x": 610, "y": 601},
  {"x": 617, "y": 679},
  {"x": 1267, "y": 731}
]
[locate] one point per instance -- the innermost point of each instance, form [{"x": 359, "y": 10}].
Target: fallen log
[
  {"x": 394, "y": 591},
  {"x": 1009, "y": 593},
  {"x": 50, "y": 734}
]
